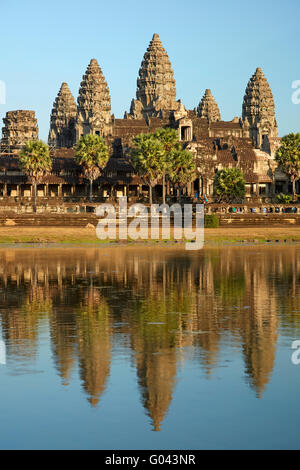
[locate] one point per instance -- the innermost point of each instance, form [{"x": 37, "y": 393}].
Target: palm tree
[
  {"x": 288, "y": 157},
  {"x": 35, "y": 162},
  {"x": 92, "y": 155},
  {"x": 170, "y": 141},
  {"x": 229, "y": 185},
  {"x": 148, "y": 158},
  {"x": 182, "y": 169}
]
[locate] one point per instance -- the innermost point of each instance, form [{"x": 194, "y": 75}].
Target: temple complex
[{"x": 248, "y": 142}]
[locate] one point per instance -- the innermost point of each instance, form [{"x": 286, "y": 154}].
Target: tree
[
  {"x": 35, "y": 162},
  {"x": 148, "y": 159},
  {"x": 170, "y": 141},
  {"x": 182, "y": 169},
  {"x": 92, "y": 155},
  {"x": 229, "y": 185},
  {"x": 288, "y": 157}
]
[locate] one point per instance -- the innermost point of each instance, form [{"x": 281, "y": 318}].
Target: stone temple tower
[
  {"x": 94, "y": 107},
  {"x": 63, "y": 119},
  {"x": 19, "y": 127},
  {"x": 259, "y": 119},
  {"x": 156, "y": 92},
  {"x": 208, "y": 108}
]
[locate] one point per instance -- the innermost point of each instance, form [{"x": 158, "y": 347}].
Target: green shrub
[
  {"x": 211, "y": 221},
  {"x": 284, "y": 198}
]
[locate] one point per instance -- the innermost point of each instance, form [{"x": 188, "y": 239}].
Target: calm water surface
[{"x": 135, "y": 348}]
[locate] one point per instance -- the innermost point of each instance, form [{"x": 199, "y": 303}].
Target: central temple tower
[{"x": 156, "y": 92}]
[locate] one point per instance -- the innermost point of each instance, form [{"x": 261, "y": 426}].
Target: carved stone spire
[
  {"x": 259, "y": 109},
  {"x": 208, "y": 108},
  {"x": 63, "y": 118},
  {"x": 156, "y": 92},
  {"x": 19, "y": 127},
  {"x": 94, "y": 107}
]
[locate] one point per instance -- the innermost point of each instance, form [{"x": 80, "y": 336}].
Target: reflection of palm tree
[
  {"x": 93, "y": 333},
  {"x": 20, "y": 324}
]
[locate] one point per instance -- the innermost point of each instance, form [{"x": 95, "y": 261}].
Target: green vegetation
[
  {"x": 35, "y": 162},
  {"x": 211, "y": 221},
  {"x": 182, "y": 169},
  {"x": 148, "y": 158},
  {"x": 229, "y": 185},
  {"x": 92, "y": 155},
  {"x": 288, "y": 157},
  {"x": 284, "y": 198},
  {"x": 169, "y": 138},
  {"x": 159, "y": 155}
]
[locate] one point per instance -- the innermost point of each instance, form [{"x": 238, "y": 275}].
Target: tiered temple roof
[
  {"x": 63, "y": 119},
  {"x": 259, "y": 108},
  {"x": 94, "y": 106},
  {"x": 156, "y": 92},
  {"x": 208, "y": 108}
]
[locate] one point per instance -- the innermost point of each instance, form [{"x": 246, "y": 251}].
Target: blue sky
[{"x": 215, "y": 45}]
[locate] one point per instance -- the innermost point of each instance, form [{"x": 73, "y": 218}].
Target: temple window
[{"x": 262, "y": 189}]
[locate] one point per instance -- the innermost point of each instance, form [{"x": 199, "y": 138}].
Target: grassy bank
[{"x": 74, "y": 235}]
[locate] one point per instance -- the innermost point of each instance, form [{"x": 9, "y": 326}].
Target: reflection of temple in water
[
  {"x": 94, "y": 349},
  {"x": 160, "y": 303},
  {"x": 63, "y": 330}
]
